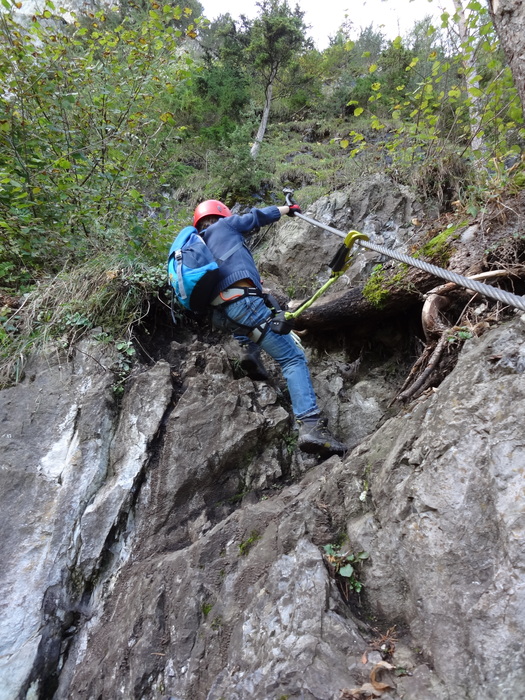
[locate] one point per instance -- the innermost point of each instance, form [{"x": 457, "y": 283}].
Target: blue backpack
[{"x": 193, "y": 271}]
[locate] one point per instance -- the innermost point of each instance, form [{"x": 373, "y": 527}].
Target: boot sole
[{"x": 321, "y": 449}]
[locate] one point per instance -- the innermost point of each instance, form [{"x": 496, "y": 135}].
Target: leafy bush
[{"x": 82, "y": 131}]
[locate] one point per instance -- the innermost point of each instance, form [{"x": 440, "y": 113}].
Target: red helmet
[{"x": 211, "y": 207}]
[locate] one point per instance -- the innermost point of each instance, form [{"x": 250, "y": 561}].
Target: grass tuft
[{"x": 109, "y": 292}]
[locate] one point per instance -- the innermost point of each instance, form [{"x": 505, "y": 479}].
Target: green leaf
[
  {"x": 330, "y": 549},
  {"x": 167, "y": 117},
  {"x": 358, "y": 111},
  {"x": 347, "y": 570}
]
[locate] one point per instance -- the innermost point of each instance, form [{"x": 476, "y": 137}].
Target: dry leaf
[
  {"x": 347, "y": 694},
  {"x": 370, "y": 689},
  {"x": 378, "y": 685},
  {"x": 373, "y": 689}
]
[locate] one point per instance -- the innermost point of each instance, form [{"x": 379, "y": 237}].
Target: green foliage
[
  {"x": 347, "y": 67},
  {"x": 206, "y": 608},
  {"x": 246, "y": 545},
  {"x": 224, "y": 90},
  {"x": 299, "y": 89},
  {"x": 460, "y": 334},
  {"x": 217, "y": 623},
  {"x": 291, "y": 442},
  {"x": 435, "y": 103},
  {"x": 345, "y": 565},
  {"x": 81, "y": 130},
  {"x": 235, "y": 175},
  {"x": 270, "y": 43},
  {"x": 123, "y": 365},
  {"x": 275, "y": 37},
  {"x": 112, "y": 128}
]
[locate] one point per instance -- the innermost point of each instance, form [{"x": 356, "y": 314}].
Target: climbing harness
[
  {"x": 254, "y": 333},
  {"x": 362, "y": 240}
]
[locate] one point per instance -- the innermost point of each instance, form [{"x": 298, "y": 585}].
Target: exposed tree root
[
  {"x": 424, "y": 379},
  {"x": 437, "y": 333}
]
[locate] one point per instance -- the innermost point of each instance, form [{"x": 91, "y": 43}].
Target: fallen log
[
  {"x": 393, "y": 296},
  {"x": 351, "y": 307}
]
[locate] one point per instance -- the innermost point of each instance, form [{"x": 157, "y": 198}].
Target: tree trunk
[
  {"x": 509, "y": 20},
  {"x": 264, "y": 121},
  {"x": 352, "y": 307}
]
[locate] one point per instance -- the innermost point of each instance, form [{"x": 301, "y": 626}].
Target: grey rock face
[
  {"x": 62, "y": 460},
  {"x": 170, "y": 547},
  {"x": 377, "y": 207},
  {"x": 447, "y": 493}
]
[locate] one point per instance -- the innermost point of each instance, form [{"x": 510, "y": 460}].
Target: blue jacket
[{"x": 222, "y": 236}]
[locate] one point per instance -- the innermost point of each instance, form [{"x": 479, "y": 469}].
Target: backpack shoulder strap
[
  {"x": 178, "y": 258},
  {"x": 230, "y": 252}
]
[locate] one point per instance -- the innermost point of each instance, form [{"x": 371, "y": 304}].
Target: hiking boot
[
  {"x": 251, "y": 362},
  {"x": 315, "y": 438}
]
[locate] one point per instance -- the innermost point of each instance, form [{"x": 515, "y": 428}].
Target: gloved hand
[{"x": 294, "y": 209}]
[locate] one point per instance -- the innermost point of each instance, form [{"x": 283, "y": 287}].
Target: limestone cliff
[{"x": 170, "y": 543}]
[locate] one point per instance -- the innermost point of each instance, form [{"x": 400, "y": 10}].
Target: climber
[{"x": 238, "y": 305}]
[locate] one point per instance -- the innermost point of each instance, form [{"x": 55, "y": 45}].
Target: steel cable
[{"x": 484, "y": 289}]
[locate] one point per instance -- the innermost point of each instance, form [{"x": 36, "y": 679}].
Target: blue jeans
[{"x": 250, "y": 312}]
